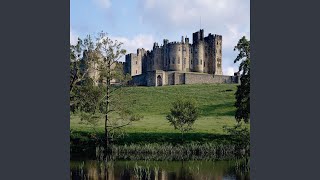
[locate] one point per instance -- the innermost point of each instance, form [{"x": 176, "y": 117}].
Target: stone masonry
[{"x": 179, "y": 62}]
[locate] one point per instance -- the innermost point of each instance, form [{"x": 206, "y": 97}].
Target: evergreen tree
[{"x": 243, "y": 90}]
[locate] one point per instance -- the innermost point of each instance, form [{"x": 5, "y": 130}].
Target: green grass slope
[{"x": 216, "y": 103}]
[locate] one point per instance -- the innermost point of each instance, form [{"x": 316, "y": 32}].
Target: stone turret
[
  {"x": 186, "y": 40},
  {"x": 218, "y": 55},
  {"x": 198, "y": 51},
  {"x": 204, "y": 55},
  {"x": 175, "y": 56},
  {"x": 201, "y": 34}
]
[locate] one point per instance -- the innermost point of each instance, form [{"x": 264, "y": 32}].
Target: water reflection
[{"x": 160, "y": 170}]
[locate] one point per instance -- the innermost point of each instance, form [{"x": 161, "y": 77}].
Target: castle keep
[{"x": 179, "y": 62}]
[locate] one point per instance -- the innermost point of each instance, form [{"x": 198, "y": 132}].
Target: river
[{"x": 160, "y": 170}]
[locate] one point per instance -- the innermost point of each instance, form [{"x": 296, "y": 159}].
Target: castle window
[
  {"x": 204, "y": 64},
  {"x": 206, "y": 54},
  {"x": 191, "y": 61},
  {"x": 179, "y": 48},
  {"x": 220, "y": 51},
  {"x": 178, "y": 60},
  {"x": 136, "y": 71},
  {"x": 136, "y": 62},
  {"x": 201, "y": 61}
]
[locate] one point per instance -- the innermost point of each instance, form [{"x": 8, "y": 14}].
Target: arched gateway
[{"x": 159, "y": 80}]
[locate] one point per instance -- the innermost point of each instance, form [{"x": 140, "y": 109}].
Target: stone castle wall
[
  {"x": 161, "y": 78},
  {"x": 179, "y": 62},
  {"x": 194, "y": 78},
  {"x": 203, "y": 55}
]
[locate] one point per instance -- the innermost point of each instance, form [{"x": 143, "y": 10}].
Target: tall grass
[{"x": 191, "y": 151}]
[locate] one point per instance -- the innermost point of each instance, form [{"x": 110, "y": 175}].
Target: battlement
[
  {"x": 198, "y": 36},
  {"x": 204, "y": 55},
  {"x": 141, "y": 51},
  {"x": 131, "y": 55}
]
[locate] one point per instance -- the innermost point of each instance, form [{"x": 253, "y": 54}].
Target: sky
[{"x": 140, "y": 23}]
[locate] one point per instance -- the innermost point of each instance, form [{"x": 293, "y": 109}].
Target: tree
[
  {"x": 182, "y": 115},
  {"x": 94, "y": 64},
  {"x": 243, "y": 90},
  {"x": 117, "y": 115},
  {"x": 82, "y": 57},
  {"x": 241, "y": 137}
]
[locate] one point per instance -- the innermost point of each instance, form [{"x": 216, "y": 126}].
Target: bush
[{"x": 240, "y": 136}]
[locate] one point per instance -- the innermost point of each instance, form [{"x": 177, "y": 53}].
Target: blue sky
[{"x": 140, "y": 23}]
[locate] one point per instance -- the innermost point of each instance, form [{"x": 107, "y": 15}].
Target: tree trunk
[
  {"x": 182, "y": 137},
  {"x": 108, "y": 103},
  {"x": 106, "y": 132}
]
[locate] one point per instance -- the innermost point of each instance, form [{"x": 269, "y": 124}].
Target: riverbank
[
  {"x": 216, "y": 105},
  {"x": 160, "y": 146}
]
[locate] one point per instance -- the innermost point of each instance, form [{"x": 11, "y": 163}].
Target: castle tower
[
  {"x": 203, "y": 55},
  {"x": 133, "y": 62},
  {"x": 209, "y": 63},
  {"x": 157, "y": 57},
  {"x": 175, "y": 56},
  {"x": 165, "y": 55},
  {"x": 198, "y": 51},
  {"x": 186, "y": 56},
  {"x": 218, "y": 55}
]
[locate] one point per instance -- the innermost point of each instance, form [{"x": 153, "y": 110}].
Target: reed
[{"x": 192, "y": 151}]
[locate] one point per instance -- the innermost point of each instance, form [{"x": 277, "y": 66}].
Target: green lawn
[{"x": 153, "y": 103}]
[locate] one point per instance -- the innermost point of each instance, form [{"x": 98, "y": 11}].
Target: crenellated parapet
[{"x": 204, "y": 55}]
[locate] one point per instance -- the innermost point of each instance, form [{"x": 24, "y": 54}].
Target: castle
[{"x": 179, "y": 62}]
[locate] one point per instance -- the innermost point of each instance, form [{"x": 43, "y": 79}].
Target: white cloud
[
  {"x": 230, "y": 70},
  {"x": 183, "y": 13},
  {"x": 229, "y": 18},
  {"x": 73, "y": 37},
  {"x": 103, "y": 3},
  {"x": 232, "y": 36},
  {"x": 132, "y": 44}
]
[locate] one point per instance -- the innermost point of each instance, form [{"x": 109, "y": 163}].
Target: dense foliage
[
  {"x": 240, "y": 137},
  {"x": 182, "y": 115},
  {"x": 243, "y": 91},
  {"x": 93, "y": 96}
]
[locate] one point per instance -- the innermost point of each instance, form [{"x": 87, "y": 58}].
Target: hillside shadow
[
  {"x": 83, "y": 144},
  {"x": 217, "y": 110},
  {"x": 173, "y": 138},
  {"x": 153, "y": 137}
]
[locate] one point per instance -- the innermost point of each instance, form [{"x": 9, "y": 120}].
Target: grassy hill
[{"x": 214, "y": 100}]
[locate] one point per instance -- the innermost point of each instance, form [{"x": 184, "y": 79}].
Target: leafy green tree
[
  {"x": 182, "y": 115},
  {"x": 82, "y": 56},
  {"x": 97, "y": 97},
  {"x": 117, "y": 113},
  {"x": 243, "y": 90}
]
